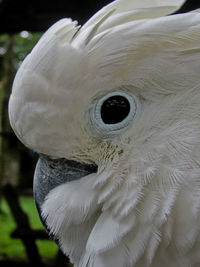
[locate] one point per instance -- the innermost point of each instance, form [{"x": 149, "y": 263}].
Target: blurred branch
[
  {"x": 22, "y": 223},
  {"x": 27, "y": 234},
  {"x": 33, "y": 234}
]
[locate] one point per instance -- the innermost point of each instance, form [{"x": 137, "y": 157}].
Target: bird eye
[
  {"x": 112, "y": 113},
  {"x": 115, "y": 109}
]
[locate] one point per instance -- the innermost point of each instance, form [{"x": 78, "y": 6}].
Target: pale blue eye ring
[{"x": 102, "y": 114}]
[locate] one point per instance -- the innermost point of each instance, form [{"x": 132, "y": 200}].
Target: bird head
[{"x": 113, "y": 109}]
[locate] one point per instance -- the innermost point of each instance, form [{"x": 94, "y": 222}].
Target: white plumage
[{"x": 142, "y": 207}]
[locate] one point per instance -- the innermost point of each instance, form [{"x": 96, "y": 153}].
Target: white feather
[{"x": 142, "y": 207}]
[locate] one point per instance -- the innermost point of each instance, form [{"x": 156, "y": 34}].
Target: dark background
[{"x": 38, "y": 15}]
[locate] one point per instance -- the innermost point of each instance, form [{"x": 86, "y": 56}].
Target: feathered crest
[
  {"x": 124, "y": 11},
  {"x": 68, "y": 56}
]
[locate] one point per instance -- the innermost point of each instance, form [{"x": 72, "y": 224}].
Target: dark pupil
[{"x": 115, "y": 109}]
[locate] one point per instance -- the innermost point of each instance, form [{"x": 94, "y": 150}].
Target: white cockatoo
[{"x": 113, "y": 109}]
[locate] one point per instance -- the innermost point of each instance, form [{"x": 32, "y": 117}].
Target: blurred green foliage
[
  {"x": 13, "y": 248},
  {"x": 24, "y": 42}
]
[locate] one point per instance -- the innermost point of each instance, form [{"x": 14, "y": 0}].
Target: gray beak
[{"x": 50, "y": 173}]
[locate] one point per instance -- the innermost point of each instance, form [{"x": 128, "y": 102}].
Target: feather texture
[{"x": 142, "y": 207}]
